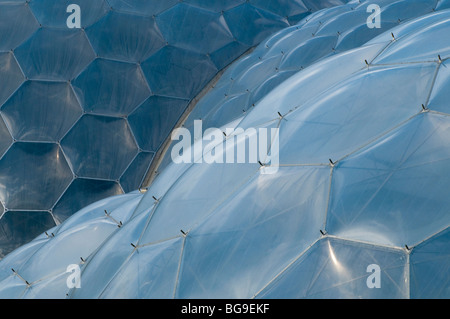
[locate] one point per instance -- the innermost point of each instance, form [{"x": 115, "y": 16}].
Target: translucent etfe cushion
[
  {"x": 329, "y": 126},
  {"x": 309, "y": 83},
  {"x": 339, "y": 269},
  {"x": 393, "y": 192},
  {"x": 420, "y": 45},
  {"x": 110, "y": 257},
  {"x": 255, "y": 234}
]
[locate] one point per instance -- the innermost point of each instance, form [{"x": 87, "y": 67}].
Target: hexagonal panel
[
  {"x": 124, "y": 36},
  {"x": 14, "y": 31},
  {"x": 198, "y": 30},
  {"x": 41, "y": 111},
  {"x": 153, "y": 121},
  {"x": 33, "y": 176},
  {"x": 178, "y": 73},
  {"x": 111, "y": 87},
  {"x": 100, "y": 147},
  {"x": 55, "y": 54}
]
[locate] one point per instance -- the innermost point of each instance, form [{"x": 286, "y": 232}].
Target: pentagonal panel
[
  {"x": 152, "y": 121},
  {"x": 334, "y": 268},
  {"x": 81, "y": 193},
  {"x": 11, "y": 77},
  {"x": 394, "y": 191},
  {"x": 55, "y": 54},
  {"x": 54, "y": 13},
  {"x": 99, "y": 147},
  {"x": 33, "y": 176},
  {"x": 198, "y": 30},
  {"x": 125, "y": 36},
  {"x": 111, "y": 87},
  {"x": 14, "y": 31},
  {"x": 20, "y": 227},
  {"x": 41, "y": 111},
  {"x": 177, "y": 72}
]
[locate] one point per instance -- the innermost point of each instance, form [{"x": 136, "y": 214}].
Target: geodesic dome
[
  {"x": 83, "y": 111},
  {"x": 361, "y": 181},
  {"x": 321, "y": 34}
]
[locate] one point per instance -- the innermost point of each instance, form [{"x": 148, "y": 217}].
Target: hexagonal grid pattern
[
  {"x": 376, "y": 196},
  {"x": 75, "y": 88}
]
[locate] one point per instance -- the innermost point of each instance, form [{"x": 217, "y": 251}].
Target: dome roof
[
  {"x": 84, "y": 110},
  {"x": 349, "y": 200}
]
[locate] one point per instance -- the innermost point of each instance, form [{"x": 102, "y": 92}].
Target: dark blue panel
[
  {"x": 125, "y": 37},
  {"x": 133, "y": 176},
  {"x": 33, "y": 176},
  {"x": 12, "y": 224},
  {"x": 81, "y": 193},
  {"x": 197, "y": 30},
  {"x": 99, "y": 147},
  {"x": 251, "y": 25},
  {"x": 152, "y": 122},
  {"x": 41, "y": 111},
  {"x": 14, "y": 31},
  {"x": 111, "y": 87},
  {"x": 55, "y": 54},
  {"x": 177, "y": 72},
  {"x": 54, "y": 13}
]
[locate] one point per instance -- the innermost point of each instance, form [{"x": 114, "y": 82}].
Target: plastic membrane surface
[
  {"x": 348, "y": 200},
  {"x": 84, "y": 109}
]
